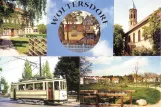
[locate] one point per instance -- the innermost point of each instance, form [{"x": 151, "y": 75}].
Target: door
[
  {"x": 50, "y": 90},
  {"x": 14, "y": 94},
  {"x": 12, "y": 32},
  {"x": 56, "y": 90}
]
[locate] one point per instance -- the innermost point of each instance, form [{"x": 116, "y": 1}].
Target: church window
[
  {"x": 134, "y": 15},
  {"x": 139, "y": 36},
  {"x": 129, "y": 38},
  {"x": 133, "y": 37}
]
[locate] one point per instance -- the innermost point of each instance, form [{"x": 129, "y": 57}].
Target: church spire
[
  {"x": 132, "y": 15},
  {"x": 133, "y": 5}
]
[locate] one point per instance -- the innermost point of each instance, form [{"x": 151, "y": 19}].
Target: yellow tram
[{"x": 40, "y": 91}]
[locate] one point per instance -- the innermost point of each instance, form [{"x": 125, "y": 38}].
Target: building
[
  {"x": 97, "y": 79},
  {"x": 134, "y": 36},
  {"x": 115, "y": 80},
  {"x": 17, "y": 24},
  {"x": 79, "y": 33}
]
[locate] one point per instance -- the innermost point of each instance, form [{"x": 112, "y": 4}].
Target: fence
[
  {"x": 37, "y": 47},
  {"x": 79, "y": 48},
  {"x": 98, "y": 95}
]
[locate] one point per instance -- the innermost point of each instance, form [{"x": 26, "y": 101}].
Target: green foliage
[
  {"x": 68, "y": 68},
  {"x": 118, "y": 39},
  {"x": 154, "y": 31},
  {"x": 11, "y": 25},
  {"x": 42, "y": 28},
  {"x": 0, "y": 69},
  {"x": 152, "y": 96},
  {"x": 21, "y": 44},
  {"x": 46, "y": 70},
  {"x": 142, "y": 51},
  {"x": 27, "y": 74},
  {"x": 33, "y": 8},
  {"x": 3, "y": 81},
  {"x": 36, "y": 35}
]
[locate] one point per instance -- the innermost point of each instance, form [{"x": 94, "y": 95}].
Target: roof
[{"x": 144, "y": 21}]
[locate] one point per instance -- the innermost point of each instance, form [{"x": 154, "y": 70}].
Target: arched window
[
  {"x": 134, "y": 16},
  {"x": 129, "y": 38},
  {"x": 133, "y": 37},
  {"x": 131, "y": 15},
  {"x": 139, "y": 36}
]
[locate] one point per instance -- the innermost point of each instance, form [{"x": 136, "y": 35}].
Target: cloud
[
  {"x": 122, "y": 68},
  {"x": 103, "y": 60},
  {"x": 102, "y": 49},
  {"x": 51, "y": 8}
]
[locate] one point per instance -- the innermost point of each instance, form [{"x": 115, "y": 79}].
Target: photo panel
[
  {"x": 120, "y": 81},
  {"x": 80, "y": 28},
  {"x": 23, "y": 28},
  {"x": 137, "y": 28},
  {"x": 39, "y": 81}
]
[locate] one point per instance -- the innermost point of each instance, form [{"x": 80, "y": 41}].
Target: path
[{"x": 7, "y": 49}]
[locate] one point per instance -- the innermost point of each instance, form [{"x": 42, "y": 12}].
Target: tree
[
  {"x": 27, "y": 74},
  {"x": 46, "y": 70},
  {"x": 0, "y": 69},
  {"x": 118, "y": 40},
  {"x": 33, "y": 9},
  {"x": 153, "y": 31},
  {"x": 4, "y": 82},
  {"x": 68, "y": 68},
  {"x": 85, "y": 66},
  {"x": 136, "y": 70},
  {"x": 42, "y": 28}
]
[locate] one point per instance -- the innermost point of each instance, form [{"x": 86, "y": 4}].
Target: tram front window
[{"x": 56, "y": 85}]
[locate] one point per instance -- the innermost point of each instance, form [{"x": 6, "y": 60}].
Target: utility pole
[{"x": 40, "y": 65}]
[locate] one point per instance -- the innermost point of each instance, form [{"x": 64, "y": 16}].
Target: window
[
  {"x": 21, "y": 87},
  {"x": 133, "y": 37},
  {"x": 139, "y": 36},
  {"x": 56, "y": 85},
  {"x": 38, "y": 86},
  {"x": 134, "y": 15},
  {"x": 29, "y": 86},
  {"x": 129, "y": 38},
  {"x": 13, "y": 87},
  {"x": 61, "y": 85}
]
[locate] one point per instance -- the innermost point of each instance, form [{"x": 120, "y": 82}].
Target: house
[
  {"x": 17, "y": 24},
  {"x": 115, "y": 80}
]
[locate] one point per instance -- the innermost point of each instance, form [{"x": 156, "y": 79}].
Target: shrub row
[{"x": 34, "y": 35}]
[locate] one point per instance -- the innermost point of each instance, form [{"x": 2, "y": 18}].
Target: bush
[
  {"x": 36, "y": 35},
  {"x": 152, "y": 96},
  {"x": 142, "y": 51}
]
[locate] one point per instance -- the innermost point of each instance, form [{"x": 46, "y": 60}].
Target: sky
[
  {"x": 144, "y": 8},
  {"x": 105, "y": 44},
  {"x": 12, "y": 68},
  {"x": 104, "y": 66}
]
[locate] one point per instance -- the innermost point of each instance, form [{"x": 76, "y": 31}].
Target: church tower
[{"x": 132, "y": 15}]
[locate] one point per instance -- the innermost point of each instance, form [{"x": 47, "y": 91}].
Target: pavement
[
  {"x": 6, "y": 48},
  {"x": 6, "y": 102}
]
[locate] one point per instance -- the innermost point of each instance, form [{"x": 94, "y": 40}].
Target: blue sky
[
  {"x": 12, "y": 68},
  {"x": 105, "y": 45},
  {"x": 144, "y": 8},
  {"x": 124, "y": 65}
]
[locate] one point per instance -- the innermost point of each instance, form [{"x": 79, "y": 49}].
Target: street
[{"x": 6, "y": 102}]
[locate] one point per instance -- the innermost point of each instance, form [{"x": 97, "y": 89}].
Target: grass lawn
[
  {"x": 21, "y": 44},
  {"x": 152, "y": 96}
]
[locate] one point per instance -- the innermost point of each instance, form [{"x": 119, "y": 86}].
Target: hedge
[{"x": 36, "y": 35}]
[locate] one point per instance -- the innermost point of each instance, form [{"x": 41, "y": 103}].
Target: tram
[{"x": 40, "y": 91}]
